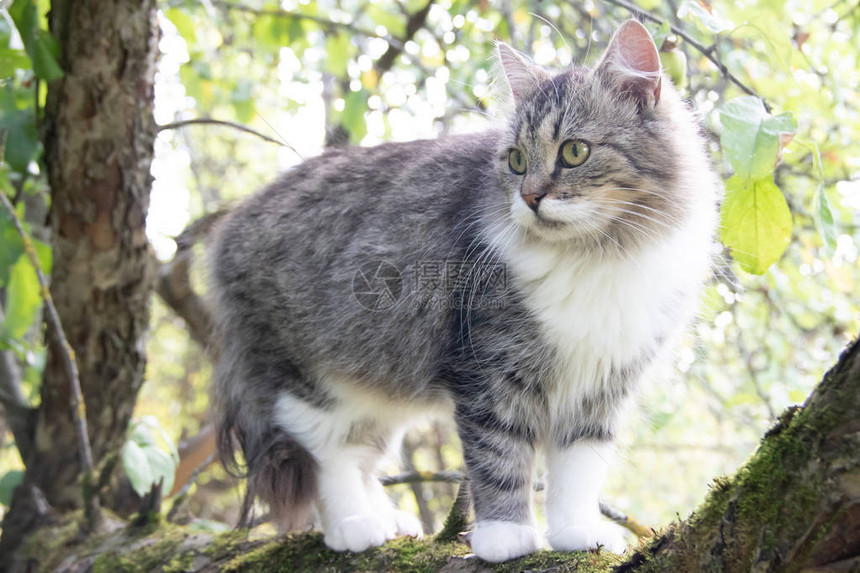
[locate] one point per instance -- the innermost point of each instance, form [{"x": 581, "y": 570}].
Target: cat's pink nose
[{"x": 533, "y": 200}]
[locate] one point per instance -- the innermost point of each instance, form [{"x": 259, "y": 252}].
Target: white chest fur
[{"x": 601, "y": 312}]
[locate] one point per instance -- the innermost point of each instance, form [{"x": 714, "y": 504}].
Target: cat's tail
[{"x": 279, "y": 471}]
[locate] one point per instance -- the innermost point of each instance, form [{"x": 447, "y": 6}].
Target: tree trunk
[
  {"x": 795, "y": 506},
  {"x": 98, "y": 136}
]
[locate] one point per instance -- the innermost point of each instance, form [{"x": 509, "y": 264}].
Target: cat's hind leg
[
  {"x": 404, "y": 523},
  {"x": 348, "y": 446}
]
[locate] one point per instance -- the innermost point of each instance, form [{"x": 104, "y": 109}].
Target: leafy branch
[
  {"x": 396, "y": 46},
  {"x": 708, "y": 51}
]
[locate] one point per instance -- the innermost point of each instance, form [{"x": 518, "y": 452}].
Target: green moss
[
  {"x": 50, "y": 544},
  {"x": 131, "y": 553},
  {"x": 173, "y": 549},
  {"x": 306, "y": 552},
  {"x": 582, "y": 561}
]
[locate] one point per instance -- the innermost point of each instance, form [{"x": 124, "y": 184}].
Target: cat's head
[{"x": 592, "y": 155}]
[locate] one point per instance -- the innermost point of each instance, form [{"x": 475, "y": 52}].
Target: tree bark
[
  {"x": 98, "y": 134},
  {"x": 795, "y": 506}
]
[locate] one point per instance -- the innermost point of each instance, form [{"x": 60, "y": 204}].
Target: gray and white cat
[{"x": 521, "y": 279}]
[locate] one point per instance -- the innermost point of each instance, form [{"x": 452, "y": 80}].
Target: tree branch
[
  {"x": 224, "y": 123},
  {"x": 708, "y": 52},
  {"x": 79, "y": 413},
  {"x": 414, "y": 23},
  {"x": 19, "y": 415}
]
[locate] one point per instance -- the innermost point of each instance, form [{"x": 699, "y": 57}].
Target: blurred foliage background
[{"x": 247, "y": 88}]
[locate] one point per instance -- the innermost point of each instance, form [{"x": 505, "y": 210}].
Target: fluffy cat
[{"x": 522, "y": 279}]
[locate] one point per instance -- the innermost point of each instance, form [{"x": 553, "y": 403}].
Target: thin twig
[
  {"x": 420, "y": 477},
  {"x": 708, "y": 52},
  {"x": 224, "y": 123},
  {"x": 79, "y": 412},
  {"x": 458, "y": 477},
  {"x": 323, "y": 22}
]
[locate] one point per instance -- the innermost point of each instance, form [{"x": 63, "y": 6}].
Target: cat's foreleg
[
  {"x": 575, "y": 476},
  {"x": 499, "y": 461}
]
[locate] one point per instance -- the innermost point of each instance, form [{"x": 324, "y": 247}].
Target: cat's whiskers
[
  {"x": 639, "y": 228},
  {"x": 601, "y": 203},
  {"x": 589, "y": 228},
  {"x": 663, "y": 213}
]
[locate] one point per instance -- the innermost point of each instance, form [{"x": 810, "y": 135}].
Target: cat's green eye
[
  {"x": 574, "y": 152},
  {"x": 517, "y": 161}
]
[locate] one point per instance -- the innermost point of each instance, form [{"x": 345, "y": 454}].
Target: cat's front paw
[
  {"x": 585, "y": 536},
  {"x": 358, "y": 533},
  {"x": 499, "y": 541}
]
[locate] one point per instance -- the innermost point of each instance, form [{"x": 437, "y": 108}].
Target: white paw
[
  {"x": 500, "y": 541},
  {"x": 586, "y": 536},
  {"x": 407, "y": 524},
  {"x": 358, "y": 533}
]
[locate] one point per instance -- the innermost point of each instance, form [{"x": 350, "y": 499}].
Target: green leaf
[
  {"x": 12, "y": 60},
  {"x": 8, "y": 483},
  {"x": 22, "y": 138},
  {"x": 756, "y": 223},
  {"x": 661, "y": 34},
  {"x": 822, "y": 214},
  {"x": 147, "y": 462},
  {"x": 271, "y": 33},
  {"x": 184, "y": 23},
  {"x": 151, "y": 422},
  {"x": 393, "y": 22},
  {"x": 42, "y": 48},
  {"x": 752, "y": 139},
  {"x": 45, "y": 53},
  {"x": 337, "y": 51},
  {"x": 824, "y": 221},
  {"x": 141, "y": 435},
  {"x": 137, "y": 468},
  {"x": 242, "y": 100},
  {"x": 11, "y": 246},
  {"x": 162, "y": 466},
  {"x": 23, "y": 299},
  {"x": 353, "y": 115}
]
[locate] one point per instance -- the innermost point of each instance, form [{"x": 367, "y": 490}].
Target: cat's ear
[
  {"x": 631, "y": 63},
  {"x": 522, "y": 75}
]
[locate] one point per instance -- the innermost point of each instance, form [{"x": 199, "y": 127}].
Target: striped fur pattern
[{"x": 599, "y": 276}]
